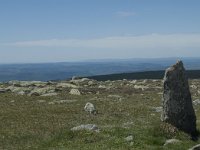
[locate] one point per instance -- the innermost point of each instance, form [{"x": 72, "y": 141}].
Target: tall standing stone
[{"x": 177, "y": 101}]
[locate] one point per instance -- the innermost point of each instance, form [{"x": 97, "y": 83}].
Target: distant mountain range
[{"x": 65, "y": 70}]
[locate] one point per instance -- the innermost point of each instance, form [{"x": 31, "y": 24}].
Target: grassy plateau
[{"x": 125, "y": 108}]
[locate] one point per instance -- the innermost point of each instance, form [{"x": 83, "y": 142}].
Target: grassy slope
[{"x": 27, "y": 123}]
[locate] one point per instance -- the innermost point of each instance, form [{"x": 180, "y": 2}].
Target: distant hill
[
  {"x": 192, "y": 74},
  {"x": 65, "y": 70}
]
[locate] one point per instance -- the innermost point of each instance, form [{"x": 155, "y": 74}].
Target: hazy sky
[{"x": 71, "y": 30}]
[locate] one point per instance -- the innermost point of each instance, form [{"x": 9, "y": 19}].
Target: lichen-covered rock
[
  {"x": 88, "y": 127},
  {"x": 129, "y": 138},
  {"x": 89, "y": 107},
  {"x": 177, "y": 102},
  {"x": 171, "y": 141},
  {"x": 75, "y": 92}
]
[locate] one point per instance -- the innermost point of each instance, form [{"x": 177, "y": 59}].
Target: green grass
[{"x": 27, "y": 123}]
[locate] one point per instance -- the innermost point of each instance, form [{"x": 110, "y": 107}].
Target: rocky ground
[{"x": 123, "y": 114}]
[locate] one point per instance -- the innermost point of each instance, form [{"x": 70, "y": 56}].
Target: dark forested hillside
[{"x": 65, "y": 70}]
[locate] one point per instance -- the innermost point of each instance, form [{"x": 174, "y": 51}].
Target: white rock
[
  {"x": 21, "y": 93},
  {"x": 41, "y": 101},
  {"x": 193, "y": 86},
  {"x": 141, "y": 87},
  {"x": 157, "y": 109},
  {"x": 62, "y": 101},
  {"x": 40, "y": 91},
  {"x": 129, "y": 138},
  {"x": 89, "y": 107},
  {"x": 196, "y": 102},
  {"x": 114, "y": 96},
  {"x": 91, "y": 83},
  {"x": 84, "y": 79},
  {"x": 171, "y": 141},
  {"x": 75, "y": 92},
  {"x": 88, "y": 127},
  {"x": 133, "y": 81},
  {"x": 102, "y": 87},
  {"x": 49, "y": 94},
  {"x": 66, "y": 85}
]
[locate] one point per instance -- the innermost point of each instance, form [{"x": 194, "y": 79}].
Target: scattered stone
[
  {"x": 89, "y": 107},
  {"x": 51, "y": 103},
  {"x": 133, "y": 81},
  {"x": 171, "y": 141},
  {"x": 177, "y": 102},
  {"x": 193, "y": 86},
  {"x": 3, "y": 90},
  {"x": 157, "y": 109},
  {"x": 196, "y": 147},
  {"x": 65, "y": 85},
  {"x": 102, "y": 87},
  {"x": 88, "y": 127},
  {"x": 114, "y": 96},
  {"x": 75, "y": 92},
  {"x": 41, "y": 91},
  {"x": 49, "y": 94},
  {"x": 61, "y": 101},
  {"x": 21, "y": 93},
  {"x": 90, "y": 83},
  {"x": 129, "y": 138},
  {"x": 41, "y": 101},
  {"x": 196, "y": 102},
  {"x": 84, "y": 79},
  {"x": 127, "y": 124},
  {"x": 141, "y": 87}
]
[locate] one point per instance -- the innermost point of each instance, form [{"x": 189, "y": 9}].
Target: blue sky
[{"x": 74, "y": 30}]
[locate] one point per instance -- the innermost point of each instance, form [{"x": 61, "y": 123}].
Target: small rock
[
  {"x": 65, "y": 85},
  {"x": 62, "y": 101},
  {"x": 51, "y": 103},
  {"x": 141, "y": 87},
  {"x": 88, "y": 127},
  {"x": 89, "y": 107},
  {"x": 3, "y": 90},
  {"x": 196, "y": 147},
  {"x": 171, "y": 141},
  {"x": 21, "y": 93},
  {"x": 196, "y": 102},
  {"x": 41, "y": 101},
  {"x": 102, "y": 87},
  {"x": 114, "y": 96},
  {"x": 133, "y": 81},
  {"x": 129, "y": 138},
  {"x": 75, "y": 92},
  {"x": 91, "y": 83},
  {"x": 157, "y": 109},
  {"x": 49, "y": 94},
  {"x": 193, "y": 86}
]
